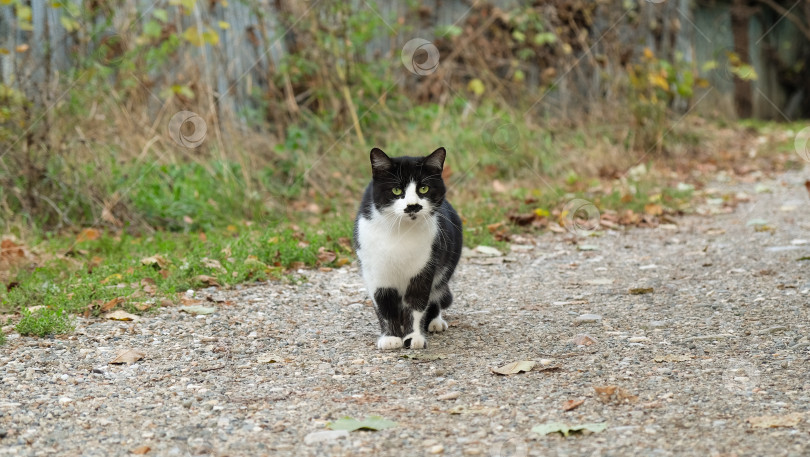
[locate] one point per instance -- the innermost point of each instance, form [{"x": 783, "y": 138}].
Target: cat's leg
[
  {"x": 387, "y": 303},
  {"x": 417, "y": 298},
  {"x": 440, "y": 298}
]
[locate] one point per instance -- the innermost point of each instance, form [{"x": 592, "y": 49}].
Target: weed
[{"x": 45, "y": 321}]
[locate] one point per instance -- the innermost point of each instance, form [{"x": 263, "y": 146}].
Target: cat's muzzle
[{"x": 413, "y": 209}]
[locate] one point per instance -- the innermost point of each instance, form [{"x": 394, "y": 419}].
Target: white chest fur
[{"x": 391, "y": 253}]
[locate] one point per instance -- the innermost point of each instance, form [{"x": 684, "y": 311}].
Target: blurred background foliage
[{"x": 542, "y": 95}]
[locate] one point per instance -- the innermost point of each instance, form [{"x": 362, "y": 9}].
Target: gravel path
[{"x": 723, "y": 338}]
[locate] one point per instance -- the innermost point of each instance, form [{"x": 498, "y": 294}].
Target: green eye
[
  {"x": 424, "y": 189},
  {"x": 396, "y": 191}
]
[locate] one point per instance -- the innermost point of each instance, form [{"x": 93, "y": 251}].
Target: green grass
[{"x": 44, "y": 322}]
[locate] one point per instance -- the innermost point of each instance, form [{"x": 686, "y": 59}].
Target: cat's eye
[
  {"x": 424, "y": 189},
  {"x": 396, "y": 191}
]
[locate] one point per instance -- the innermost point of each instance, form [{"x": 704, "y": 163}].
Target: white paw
[
  {"x": 389, "y": 342},
  {"x": 417, "y": 341},
  {"x": 437, "y": 325}
]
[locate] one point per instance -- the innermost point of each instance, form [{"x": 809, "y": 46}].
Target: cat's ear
[
  {"x": 436, "y": 159},
  {"x": 380, "y": 161}
]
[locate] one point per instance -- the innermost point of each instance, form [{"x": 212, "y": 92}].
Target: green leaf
[
  {"x": 197, "y": 309},
  {"x": 152, "y": 29},
  {"x": 161, "y": 15},
  {"x": 544, "y": 38},
  {"x": 369, "y": 423},
  {"x": 559, "y": 427}
]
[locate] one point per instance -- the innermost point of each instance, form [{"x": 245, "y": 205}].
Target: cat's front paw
[
  {"x": 437, "y": 325},
  {"x": 389, "y": 342},
  {"x": 415, "y": 341}
]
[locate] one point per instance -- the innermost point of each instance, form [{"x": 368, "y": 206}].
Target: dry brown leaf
[
  {"x": 157, "y": 261},
  {"x": 326, "y": 256},
  {"x": 141, "y": 450},
  {"x": 88, "y": 234},
  {"x": 121, "y": 315},
  {"x": 11, "y": 250},
  {"x": 212, "y": 263},
  {"x": 788, "y": 420},
  {"x": 515, "y": 367},
  {"x": 345, "y": 243},
  {"x": 142, "y": 306},
  {"x": 572, "y": 404},
  {"x": 128, "y": 356},
  {"x": 653, "y": 209},
  {"x": 614, "y": 394},
  {"x": 111, "y": 304},
  {"x": 209, "y": 281}
]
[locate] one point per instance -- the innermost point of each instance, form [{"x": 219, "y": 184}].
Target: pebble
[
  {"x": 437, "y": 449},
  {"x": 450, "y": 395},
  {"x": 637, "y": 339},
  {"x": 587, "y": 319}
]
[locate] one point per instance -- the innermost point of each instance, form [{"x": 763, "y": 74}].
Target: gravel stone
[{"x": 738, "y": 311}]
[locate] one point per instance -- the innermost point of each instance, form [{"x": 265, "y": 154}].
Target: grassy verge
[{"x": 195, "y": 224}]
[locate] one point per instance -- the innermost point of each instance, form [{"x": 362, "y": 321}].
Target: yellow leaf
[
  {"x": 541, "y": 212},
  {"x": 658, "y": 81},
  {"x": 648, "y": 54},
  {"x": 224, "y": 25},
  {"x": 231, "y": 228},
  {"x": 193, "y": 36},
  {"x": 4, "y": 51},
  {"x": 476, "y": 86}
]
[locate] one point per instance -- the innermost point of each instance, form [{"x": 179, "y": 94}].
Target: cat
[{"x": 408, "y": 242}]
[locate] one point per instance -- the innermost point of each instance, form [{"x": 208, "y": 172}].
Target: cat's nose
[{"x": 413, "y": 209}]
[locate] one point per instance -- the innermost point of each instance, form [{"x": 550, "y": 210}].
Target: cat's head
[{"x": 409, "y": 187}]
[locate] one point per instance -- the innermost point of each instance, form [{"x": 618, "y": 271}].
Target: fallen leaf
[
  {"x": 673, "y": 358},
  {"x": 515, "y": 367},
  {"x": 614, "y": 394},
  {"x": 128, "y": 356},
  {"x": 342, "y": 261},
  {"x": 369, "y": 423},
  {"x": 209, "y": 281},
  {"x": 141, "y": 450},
  {"x": 572, "y": 404},
  {"x": 121, "y": 315},
  {"x": 10, "y": 249},
  {"x": 565, "y": 430},
  {"x": 583, "y": 340},
  {"x": 475, "y": 409},
  {"x": 88, "y": 234},
  {"x": 641, "y": 291},
  {"x": 197, "y": 309},
  {"x": 325, "y": 256},
  {"x": 653, "y": 209},
  {"x": 212, "y": 263},
  {"x": 788, "y": 420},
  {"x": 587, "y": 247},
  {"x": 156, "y": 261},
  {"x": 488, "y": 251},
  {"x": 111, "y": 304},
  {"x": 756, "y": 222}
]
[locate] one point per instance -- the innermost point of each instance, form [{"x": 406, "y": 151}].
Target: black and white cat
[{"x": 408, "y": 242}]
